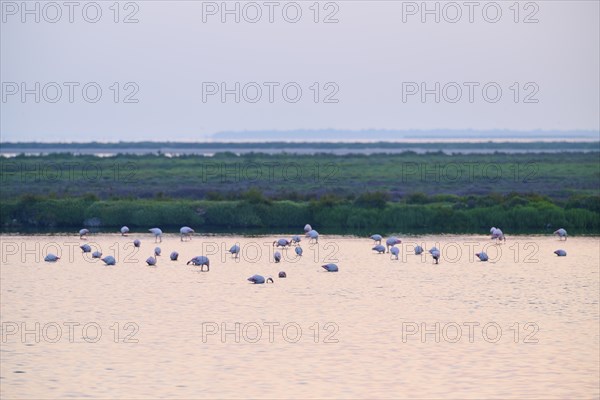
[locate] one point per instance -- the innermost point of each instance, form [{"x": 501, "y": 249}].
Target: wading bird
[
  {"x": 187, "y": 232},
  {"x": 379, "y": 248},
  {"x": 137, "y": 243},
  {"x": 296, "y": 240},
  {"x": 497, "y": 234},
  {"x": 277, "y": 256},
  {"x": 200, "y": 261},
  {"x": 83, "y": 232},
  {"x": 97, "y": 254},
  {"x": 299, "y": 251},
  {"x": 282, "y": 243},
  {"x": 313, "y": 235},
  {"x": 259, "y": 279},
  {"x": 391, "y": 241},
  {"x": 157, "y": 234},
  {"x": 124, "y": 231},
  {"x": 482, "y": 256},
  {"x": 151, "y": 261},
  {"x": 418, "y": 250},
  {"x": 560, "y": 253},
  {"x": 282, "y": 274},
  {"x": 561, "y": 233},
  {"x": 235, "y": 250},
  {"x": 377, "y": 238},
  {"x": 435, "y": 253},
  {"x": 157, "y": 251},
  {"x": 86, "y": 248},
  {"x": 330, "y": 267},
  {"x": 174, "y": 255},
  {"x": 109, "y": 260},
  {"x": 395, "y": 251},
  {"x": 51, "y": 258},
  {"x": 307, "y": 228}
]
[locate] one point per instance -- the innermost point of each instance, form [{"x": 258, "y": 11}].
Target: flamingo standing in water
[
  {"x": 562, "y": 233},
  {"x": 377, "y": 238},
  {"x": 282, "y": 243},
  {"x": 186, "y": 231},
  {"x": 391, "y": 241},
  {"x": 435, "y": 253},
  {"x": 235, "y": 250},
  {"x": 157, "y": 234},
  {"x": 313, "y": 235},
  {"x": 200, "y": 261},
  {"x": 379, "y": 249},
  {"x": 497, "y": 234}
]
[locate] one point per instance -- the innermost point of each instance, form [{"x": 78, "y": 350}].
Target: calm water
[{"x": 358, "y": 327}]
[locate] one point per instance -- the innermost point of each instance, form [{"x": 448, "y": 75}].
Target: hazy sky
[{"x": 367, "y": 70}]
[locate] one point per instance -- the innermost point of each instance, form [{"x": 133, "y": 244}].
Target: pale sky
[{"x": 375, "y": 61}]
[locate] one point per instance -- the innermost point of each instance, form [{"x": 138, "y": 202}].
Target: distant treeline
[
  {"x": 125, "y": 147},
  {"x": 368, "y": 212}
]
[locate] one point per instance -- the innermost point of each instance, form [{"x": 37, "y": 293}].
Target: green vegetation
[{"x": 405, "y": 192}]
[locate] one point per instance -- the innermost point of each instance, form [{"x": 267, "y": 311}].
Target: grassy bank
[{"x": 514, "y": 213}]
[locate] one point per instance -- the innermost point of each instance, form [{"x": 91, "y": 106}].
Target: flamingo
[
  {"x": 435, "y": 253},
  {"x": 137, "y": 243},
  {"x": 259, "y": 279},
  {"x": 200, "y": 261},
  {"x": 562, "y": 233},
  {"x": 157, "y": 251},
  {"x": 560, "y": 253},
  {"x": 282, "y": 274},
  {"x": 313, "y": 235},
  {"x": 395, "y": 251},
  {"x": 282, "y": 243},
  {"x": 174, "y": 255},
  {"x": 299, "y": 251},
  {"x": 379, "y": 249},
  {"x": 307, "y": 228},
  {"x": 377, "y": 238},
  {"x": 418, "y": 250},
  {"x": 296, "y": 240},
  {"x": 83, "y": 232},
  {"x": 124, "y": 231},
  {"x": 85, "y": 248},
  {"x": 97, "y": 254},
  {"x": 157, "y": 234},
  {"x": 497, "y": 234},
  {"x": 235, "y": 250},
  {"x": 277, "y": 256},
  {"x": 51, "y": 258},
  {"x": 392, "y": 241},
  {"x": 151, "y": 261},
  {"x": 482, "y": 256},
  {"x": 109, "y": 260},
  {"x": 186, "y": 231},
  {"x": 330, "y": 267}
]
